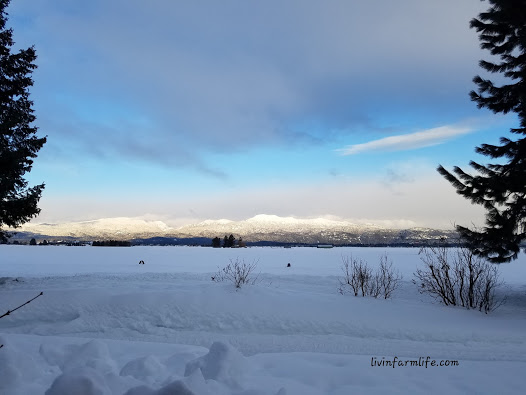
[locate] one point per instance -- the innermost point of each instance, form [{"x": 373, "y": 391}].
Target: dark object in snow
[
  {"x": 288, "y": 264},
  {"x": 141, "y": 262}
]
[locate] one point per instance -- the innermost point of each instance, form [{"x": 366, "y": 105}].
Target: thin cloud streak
[{"x": 411, "y": 141}]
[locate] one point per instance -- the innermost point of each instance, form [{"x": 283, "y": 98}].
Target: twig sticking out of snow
[
  {"x": 15, "y": 309},
  {"x": 22, "y": 305}
]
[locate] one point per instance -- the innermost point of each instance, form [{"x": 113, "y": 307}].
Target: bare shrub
[
  {"x": 356, "y": 275},
  {"x": 437, "y": 278},
  {"x": 486, "y": 292},
  {"x": 361, "y": 279},
  {"x": 375, "y": 285},
  {"x": 238, "y": 273},
  {"x": 389, "y": 279},
  {"x": 458, "y": 277},
  {"x": 348, "y": 278}
]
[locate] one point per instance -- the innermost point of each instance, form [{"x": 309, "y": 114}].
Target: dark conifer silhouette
[
  {"x": 18, "y": 141},
  {"x": 499, "y": 187},
  {"x": 216, "y": 242},
  {"x": 231, "y": 241}
]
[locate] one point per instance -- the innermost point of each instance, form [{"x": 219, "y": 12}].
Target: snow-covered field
[{"x": 107, "y": 325}]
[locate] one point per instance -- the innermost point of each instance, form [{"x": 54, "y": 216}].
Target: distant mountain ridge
[
  {"x": 107, "y": 228},
  {"x": 260, "y": 228}
]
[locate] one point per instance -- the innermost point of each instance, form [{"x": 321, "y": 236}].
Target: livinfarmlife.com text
[{"x": 420, "y": 362}]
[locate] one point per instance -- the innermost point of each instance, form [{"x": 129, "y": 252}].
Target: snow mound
[
  {"x": 175, "y": 388},
  {"x": 143, "y": 368},
  {"x": 89, "y": 369},
  {"x": 93, "y": 354},
  {"x": 223, "y": 363},
  {"x": 83, "y": 381},
  {"x": 9, "y": 373},
  {"x": 15, "y": 367}
]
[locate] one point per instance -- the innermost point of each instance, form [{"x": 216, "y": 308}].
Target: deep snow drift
[{"x": 107, "y": 325}]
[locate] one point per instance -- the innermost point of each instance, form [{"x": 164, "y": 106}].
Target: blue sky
[{"x": 190, "y": 110}]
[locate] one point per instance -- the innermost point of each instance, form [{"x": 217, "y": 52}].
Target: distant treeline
[
  {"x": 33, "y": 242},
  {"x": 170, "y": 241},
  {"x": 232, "y": 242},
  {"x": 228, "y": 242},
  {"x": 111, "y": 243}
]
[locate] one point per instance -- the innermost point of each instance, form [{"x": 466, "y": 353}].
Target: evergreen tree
[
  {"x": 18, "y": 141},
  {"x": 216, "y": 242},
  {"x": 499, "y": 187},
  {"x": 231, "y": 241}
]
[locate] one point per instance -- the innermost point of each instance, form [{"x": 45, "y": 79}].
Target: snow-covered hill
[
  {"x": 286, "y": 229},
  {"x": 317, "y": 230},
  {"x": 107, "y": 228},
  {"x": 259, "y": 228}
]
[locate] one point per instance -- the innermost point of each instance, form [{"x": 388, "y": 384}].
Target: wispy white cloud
[{"x": 403, "y": 142}]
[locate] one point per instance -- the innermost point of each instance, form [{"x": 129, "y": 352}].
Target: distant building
[{"x": 324, "y": 246}]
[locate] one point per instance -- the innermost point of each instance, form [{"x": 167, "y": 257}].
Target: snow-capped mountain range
[
  {"x": 258, "y": 228},
  {"x": 106, "y": 228}
]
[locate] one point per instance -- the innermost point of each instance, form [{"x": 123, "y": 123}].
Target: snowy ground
[{"x": 107, "y": 325}]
